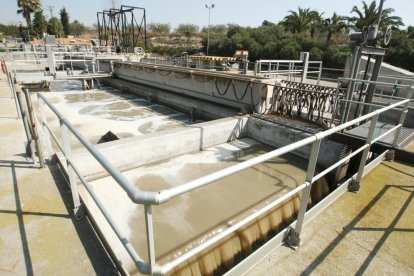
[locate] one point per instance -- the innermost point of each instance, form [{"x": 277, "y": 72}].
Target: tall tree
[
  {"x": 368, "y": 15},
  {"x": 26, "y": 8},
  {"x": 54, "y": 27},
  {"x": 300, "y": 21},
  {"x": 334, "y": 25},
  {"x": 39, "y": 23},
  {"x": 64, "y": 19}
]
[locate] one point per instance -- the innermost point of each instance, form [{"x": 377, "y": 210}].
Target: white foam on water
[{"x": 95, "y": 117}]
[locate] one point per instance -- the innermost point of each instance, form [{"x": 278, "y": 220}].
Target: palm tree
[
  {"x": 317, "y": 22},
  {"x": 27, "y": 7},
  {"x": 368, "y": 15},
  {"x": 334, "y": 25},
  {"x": 300, "y": 21}
]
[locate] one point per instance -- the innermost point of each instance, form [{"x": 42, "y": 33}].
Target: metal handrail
[{"x": 155, "y": 198}]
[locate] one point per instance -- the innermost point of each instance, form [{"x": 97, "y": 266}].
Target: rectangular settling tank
[{"x": 191, "y": 219}]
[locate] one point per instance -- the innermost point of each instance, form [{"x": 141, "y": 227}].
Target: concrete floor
[
  {"x": 370, "y": 233},
  {"x": 38, "y": 234}
]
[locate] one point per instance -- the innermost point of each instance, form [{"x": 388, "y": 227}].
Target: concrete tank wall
[
  {"x": 278, "y": 136},
  {"x": 133, "y": 152},
  {"x": 202, "y": 109},
  {"x": 247, "y": 93}
]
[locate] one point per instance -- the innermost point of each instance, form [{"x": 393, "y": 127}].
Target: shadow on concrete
[
  {"x": 97, "y": 254},
  {"x": 399, "y": 171},
  {"x": 19, "y": 214},
  {"x": 95, "y": 250},
  {"x": 387, "y": 231}
]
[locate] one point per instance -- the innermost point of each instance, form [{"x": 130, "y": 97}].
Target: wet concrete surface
[
  {"x": 369, "y": 233},
  {"x": 38, "y": 235}
]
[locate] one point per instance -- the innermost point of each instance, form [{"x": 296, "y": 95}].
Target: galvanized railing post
[
  {"x": 35, "y": 134},
  {"x": 150, "y": 237},
  {"x": 48, "y": 142},
  {"x": 294, "y": 239},
  {"x": 77, "y": 210},
  {"x": 354, "y": 185},
  {"x": 27, "y": 128},
  {"x": 319, "y": 73}
]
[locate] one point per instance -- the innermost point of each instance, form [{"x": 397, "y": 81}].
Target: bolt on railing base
[
  {"x": 354, "y": 186},
  {"x": 390, "y": 155},
  {"x": 79, "y": 212},
  {"x": 293, "y": 240}
]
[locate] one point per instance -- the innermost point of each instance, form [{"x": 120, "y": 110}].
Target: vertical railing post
[
  {"x": 354, "y": 185},
  {"x": 35, "y": 133},
  {"x": 150, "y": 237},
  {"x": 26, "y": 125},
  {"x": 319, "y": 73},
  {"x": 294, "y": 239},
  {"x": 71, "y": 173},
  {"x": 48, "y": 142},
  {"x": 255, "y": 67}
]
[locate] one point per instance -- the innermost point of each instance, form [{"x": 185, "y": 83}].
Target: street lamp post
[{"x": 209, "y": 7}]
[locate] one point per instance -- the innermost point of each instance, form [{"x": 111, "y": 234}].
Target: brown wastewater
[{"x": 189, "y": 220}]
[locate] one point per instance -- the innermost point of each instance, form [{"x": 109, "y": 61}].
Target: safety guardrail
[{"x": 148, "y": 199}]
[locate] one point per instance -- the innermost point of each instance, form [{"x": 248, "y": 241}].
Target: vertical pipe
[
  {"x": 145, "y": 31},
  {"x": 71, "y": 173},
  {"x": 150, "y": 237},
  {"x": 372, "y": 86},
  {"x": 351, "y": 85},
  {"x": 34, "y": 129}
]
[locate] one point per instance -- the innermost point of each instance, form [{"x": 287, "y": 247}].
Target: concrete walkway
[
  {"x": 37, "y": 232},
  {"x": 370, "y": 233}
]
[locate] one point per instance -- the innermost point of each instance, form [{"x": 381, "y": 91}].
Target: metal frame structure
[
  {"x": 121, "y": 27},
  {"x": 148, "y": 199}
]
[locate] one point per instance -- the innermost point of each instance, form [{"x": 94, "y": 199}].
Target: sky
[{"x": 241, "y": 12}]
